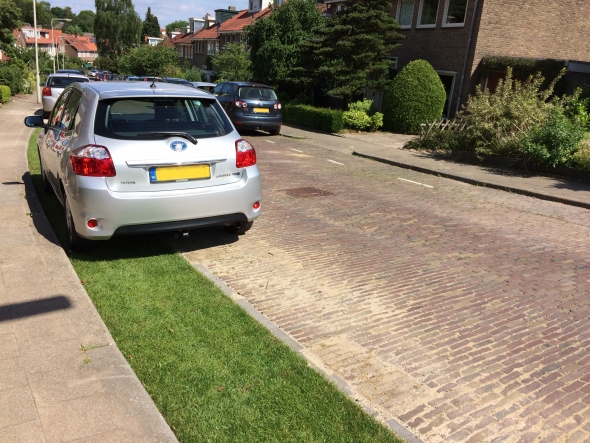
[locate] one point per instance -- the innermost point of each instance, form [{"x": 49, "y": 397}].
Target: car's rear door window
[
  {"x": 128, "y": 118},
  {"x": 62, "y": 82},
  {"x": 253, "y": 93}
]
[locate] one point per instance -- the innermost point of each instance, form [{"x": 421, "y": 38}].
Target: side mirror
[{"x": 34, "y": 121}]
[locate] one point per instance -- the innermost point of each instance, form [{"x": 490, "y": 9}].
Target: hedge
[
  {"x": 327, "y": 120},
  {"x": 4, "y": 94}
]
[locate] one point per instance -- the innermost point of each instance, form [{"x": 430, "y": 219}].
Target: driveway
[{"x": 459, "y": 311}]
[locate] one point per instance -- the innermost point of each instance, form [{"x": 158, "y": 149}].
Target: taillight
[
  {"x": 277, "y": 106},
  {"x": 92, "y": 161},
  {"x": 245, "y": 154},
  {"x": 47, "y": 91},
  {"x": 239, "y": 104}
]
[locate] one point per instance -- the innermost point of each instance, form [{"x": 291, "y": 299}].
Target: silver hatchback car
[{"x": 126, "y": 158}]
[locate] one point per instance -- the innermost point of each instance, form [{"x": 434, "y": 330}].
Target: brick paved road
[{"x": 461, "y": 312}]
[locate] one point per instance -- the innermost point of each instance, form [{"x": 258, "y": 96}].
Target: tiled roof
[
  {"x": 85, "y": 44},
  {"x": 239, "y": 21},
  {"x": 44, "y": 40},
  {"x": 206, "y": 34},
  {"x": 184, "y": 39}
]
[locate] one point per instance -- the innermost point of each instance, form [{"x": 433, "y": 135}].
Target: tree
[
  {"x": 63, "y": 12},
  {"x": 351, "y": 51},
  {"x": 44, "y": 14},
  {"x": 233, "y": 63},
  {"x": 9, "y": 20},
  {"x": 275, "y": 41},
  {"x": 151, "y": 27},
  {"x": 148, "y": 60},
  {"x": 75, "y": 30},
  {"x": 85, "y": 21},
  {"x": 178, "y": 24},
  {"x": 117, "y": 27}
]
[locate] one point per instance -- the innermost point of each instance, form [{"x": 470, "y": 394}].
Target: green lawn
[{"x": 215, "y": 374}]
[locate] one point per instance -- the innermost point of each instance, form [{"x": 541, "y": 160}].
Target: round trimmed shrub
[{"x": 416, "y": 95}]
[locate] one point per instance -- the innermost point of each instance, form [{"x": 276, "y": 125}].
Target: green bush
[
  {"x": 4, "y": 94},
  {"x": 581, "y": 158},
  {"x": 192, "y": 74},
  {"x": 416, "y": 95},
  {"x": 361, "y": 118},
  {"x": 554, "y": 142},
  {"x": 12, "y": 75},
  {"x": 328, "y": 120}
]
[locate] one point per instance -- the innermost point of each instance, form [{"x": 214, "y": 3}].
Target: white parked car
[
  {"x": 135, "y": 157},
  {"x": 54, "y": 86}
]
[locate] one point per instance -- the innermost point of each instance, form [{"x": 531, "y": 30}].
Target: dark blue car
[{"x": 250, "y": 105}]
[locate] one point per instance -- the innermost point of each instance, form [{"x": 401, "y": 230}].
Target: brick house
[
  {"x": 81, "y": 47},
  {"x": 456, "y": 35},
  {"x": 47, "y": 40}
]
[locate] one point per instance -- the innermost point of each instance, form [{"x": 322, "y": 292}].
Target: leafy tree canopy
[
  {"x": 73, "y": 30},
  {"x": 151, "y": 27},
  {"x": 178, "y": 24},
  {"x": 9, "y": 20},
  {"x": 233, "y": 63},
  {"x": 275, "y": 41},
  {"x": 117, "y": 27},
  {"x": 85, "y": 21},
  {"x": 350, "y": 51},
  {"x": 44, "y": 14},
  {"x": 149, "y": 60},
  {"x": 63, "y": 12}
]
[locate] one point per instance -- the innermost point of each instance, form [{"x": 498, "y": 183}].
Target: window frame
[
  {"x": 399, "y": 10},
  {"x": 446, "y": 13},
  {"x": 419, "y": 21}
]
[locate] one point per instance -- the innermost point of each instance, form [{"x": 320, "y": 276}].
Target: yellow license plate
[
  {"x": 180, "y": 173},
  {"x": 261, "y": 110}
]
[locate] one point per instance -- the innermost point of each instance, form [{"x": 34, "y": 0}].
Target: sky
[{"x": 167, "y": 11}]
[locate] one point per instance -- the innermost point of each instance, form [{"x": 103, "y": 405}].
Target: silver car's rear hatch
[{"x": 172, "y": 163}]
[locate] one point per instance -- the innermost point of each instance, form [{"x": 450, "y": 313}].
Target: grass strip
[{"x": 215, "y": 374}]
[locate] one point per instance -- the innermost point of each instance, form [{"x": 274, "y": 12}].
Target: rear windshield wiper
[{"x": 189, "y": 137}]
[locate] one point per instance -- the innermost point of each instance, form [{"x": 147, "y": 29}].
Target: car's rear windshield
[
  {"x": 62, "y": 82},
  {"x": 128, "y": 118},
  {"x": 254, "y": 93}
]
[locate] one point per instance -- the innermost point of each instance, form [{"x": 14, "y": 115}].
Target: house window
[
  {"x": 405, "y": 12},
  {"x": 427, "y": 13},
  {"x": 455, "y": 11}
]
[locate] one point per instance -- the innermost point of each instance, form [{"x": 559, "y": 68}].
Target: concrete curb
[
  {"x": 475, "y": 182},
  {"x": 340, "y": 383}
]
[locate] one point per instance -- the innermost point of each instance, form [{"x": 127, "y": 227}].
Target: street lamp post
[
  {"x": 38, "y": 85},
  {"x": 53, "y": 38}
]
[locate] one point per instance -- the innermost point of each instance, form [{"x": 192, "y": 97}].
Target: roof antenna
[{"x": 153, "y": 85}]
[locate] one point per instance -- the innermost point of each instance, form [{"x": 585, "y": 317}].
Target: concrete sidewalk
[
  {"x": 387, "y": 148},
  {"x": 62, "y": 378}
]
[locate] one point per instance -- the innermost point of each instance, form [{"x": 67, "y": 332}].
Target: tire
[
  {"x": 44, "y": 180},
  {"x": 238, "y": 228},
  {"x": 75, "y": 242},
  {"x": 275, "y": 131}
]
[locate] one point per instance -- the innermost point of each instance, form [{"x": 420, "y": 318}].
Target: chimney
[{"x": 232, "y": 8}]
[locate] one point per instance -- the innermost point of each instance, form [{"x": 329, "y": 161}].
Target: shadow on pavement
[{"x": 14, "y": 311}]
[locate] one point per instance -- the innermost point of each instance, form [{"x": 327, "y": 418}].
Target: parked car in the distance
[
  {"x": 250, "y": 105},
  {"x": 132, "y": 78},
  {"x": 70, "y": 71},
  {"x": 205, "y": 86},
  {"x": 177, "y": 81},
  {"x": 54, "y": 86},
  {"x": 128, "y": 158}
]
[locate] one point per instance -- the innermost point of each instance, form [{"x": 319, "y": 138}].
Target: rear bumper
[
  {"x": 121, "y": 213},
  {"x": 249, "y": 121}
]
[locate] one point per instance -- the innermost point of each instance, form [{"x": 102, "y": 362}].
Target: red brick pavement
[{"x": 461, "y": 312}]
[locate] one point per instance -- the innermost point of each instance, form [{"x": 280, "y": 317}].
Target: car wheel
[
  {"x": 75, "y": 242},
  {"x": 275, "y": 131},
  {"x": 44, "y": 180},
  {"x": 238, "y": 228}
]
